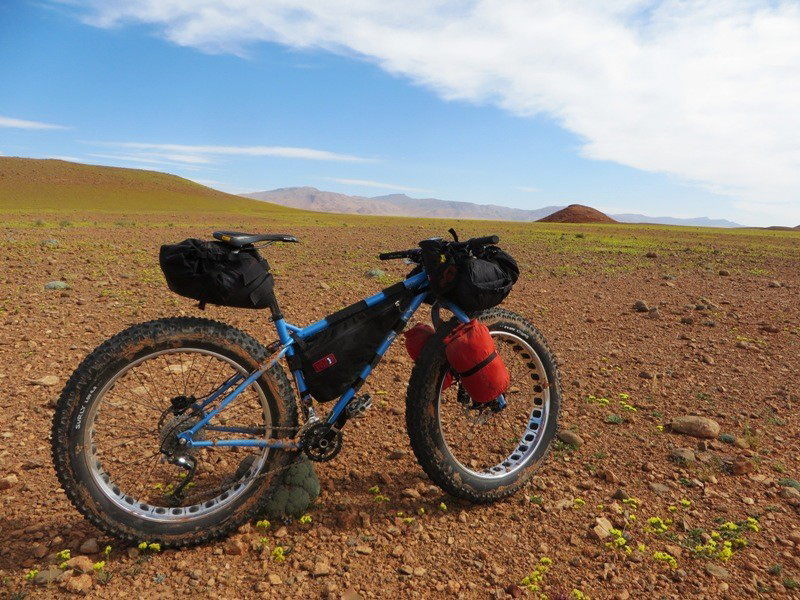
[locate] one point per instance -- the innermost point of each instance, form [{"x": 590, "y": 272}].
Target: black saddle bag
[
  {"x": 214, "y": 273},
  {"x": 332, "y": 360}
]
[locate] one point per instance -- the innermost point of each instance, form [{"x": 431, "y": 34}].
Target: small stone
[
  {"x": 619, "y": 495},
  {"x": 700, "y": 427},
  {"x": 682, "y": 455},
  {"x": 641, "y": 306},
  {"x": 324, "y": 286},
  {"x": 687, "y": 320},
  {"x": 741, "y": 466},
  {"x": 235, "y": 546},
  {"x": 351, "y": 594},
  {"x": 708, "y": 359},
  {"x": 9, "y": 481},
  {"x": 724, "y": 272},
  {"x": 51, "y": 243},
  {"x": 406, "y": 570},
  {"x": 748, "y": 501},
  {"x": 658, "y": 488},
  {"x": 396, "y": 455},
  {"x": 274, "y": 579},
  {"x": 411, "y": 493},
  {"x": 363, "y": 549},
  {"x": 602, "y": 528},
  {"x": 674, "y": 550},
  {"x": 775, "y": 284},
  {"x": 56, "y": 285},
  {"x": 570, "y": 437},
  {"x": 47, "y": 576},
  {"x": 321, "y": 569},
  {"x": 80, "y": 563},
  {"x": 646, "y": 375},
  {"x": 46, "y": 381},
  {"x": 717, "y": 572},
  {"x": 90, "y": 546},
  {"x": 79, "y": 584},
  {"x": 375, "y": 273},
  {"x": 742, "y": 443},
  {"x": 789, "y": 493},
  {"x": 654, "y": 313},
  {"x": 651, "y": 255}
]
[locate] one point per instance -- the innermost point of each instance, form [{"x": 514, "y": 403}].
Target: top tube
[{"x": 414, "y": 283}]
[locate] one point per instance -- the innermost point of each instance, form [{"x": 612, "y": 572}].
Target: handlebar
[
  {"x": 415, "y": 253},
  {"x": 399, "y": 254}
]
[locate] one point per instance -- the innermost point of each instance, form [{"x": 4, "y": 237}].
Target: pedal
[{"x": 358, "y": 407}]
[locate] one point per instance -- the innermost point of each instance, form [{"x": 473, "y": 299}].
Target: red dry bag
[
  {"x": 471, "y": 353},
  {"x": 415, "y": 339}
]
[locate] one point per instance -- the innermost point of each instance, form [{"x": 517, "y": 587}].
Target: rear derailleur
[{"x": 174, "y": 421}]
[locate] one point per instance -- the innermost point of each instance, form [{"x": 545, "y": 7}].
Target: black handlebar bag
[
  {"x": 215, "y": 273},
  {"x": 485, "y": 280}
]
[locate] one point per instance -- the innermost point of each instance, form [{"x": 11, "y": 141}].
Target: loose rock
[
  {"x": 701, "y": 427},
  {"x": 718, "y": 572},
  {"x": 570, "y": 437}
]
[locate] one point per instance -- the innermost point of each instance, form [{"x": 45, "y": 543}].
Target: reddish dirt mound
[{"x": 577, "y": 213}]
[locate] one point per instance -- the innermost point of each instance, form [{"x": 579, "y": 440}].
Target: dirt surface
[
  {"x": 577, "y": 213},
  {"x": 716, "y": 335}
]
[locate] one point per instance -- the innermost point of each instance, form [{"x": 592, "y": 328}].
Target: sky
[{"x": 656, "y": 107}]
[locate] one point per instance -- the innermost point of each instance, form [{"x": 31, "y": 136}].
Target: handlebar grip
[
  {"x": 486, "y": 240},
  {"x": 393, "y": 255}
]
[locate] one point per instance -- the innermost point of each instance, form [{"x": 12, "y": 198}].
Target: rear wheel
[
  {"x": 118, "y": 420},
  {"x": 480, "y": 455}
]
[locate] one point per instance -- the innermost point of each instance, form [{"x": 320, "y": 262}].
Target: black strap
[{"x": 480, "y": 365}]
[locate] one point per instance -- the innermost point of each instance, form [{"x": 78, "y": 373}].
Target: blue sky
[{"x": 248, "y": 105}]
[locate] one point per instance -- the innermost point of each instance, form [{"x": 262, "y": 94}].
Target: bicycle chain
[{"x": 222, "y": 488}]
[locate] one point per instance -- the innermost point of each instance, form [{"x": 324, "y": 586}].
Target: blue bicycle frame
[{"x": 287, "y": 333}]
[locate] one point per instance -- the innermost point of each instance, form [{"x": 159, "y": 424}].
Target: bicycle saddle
[{"x": 238, "y": 239}]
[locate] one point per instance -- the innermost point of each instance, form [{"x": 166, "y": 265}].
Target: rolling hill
[
  {"x": 310, "y": 198},
  {"x": 577, "y": 213},
  {"x": 46, "y": 184},
  {"x": 398, "y": 205}
]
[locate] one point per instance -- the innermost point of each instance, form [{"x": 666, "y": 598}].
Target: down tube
[{"x": 348, "y": 395}]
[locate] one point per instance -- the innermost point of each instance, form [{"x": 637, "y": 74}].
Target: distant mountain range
[{"x": 310, "y": 198}]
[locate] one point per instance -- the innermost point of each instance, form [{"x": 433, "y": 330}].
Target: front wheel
[
  {"x": 115, "y": 432},
  {"x": 483, "y": 456}
]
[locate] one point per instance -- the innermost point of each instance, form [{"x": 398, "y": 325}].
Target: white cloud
[
  {"x": 144, "y": 159},
  {"x": 22, "y": 124},
  {"x": 197, "y": 154},
  {"x": 376, "y": 184},
  {"x": 706, "y": 91}
]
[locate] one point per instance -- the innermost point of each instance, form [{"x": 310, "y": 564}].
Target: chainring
[{"x": 321, "y": 443}]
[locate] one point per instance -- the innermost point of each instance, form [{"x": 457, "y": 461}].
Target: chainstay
[{"x": 226, "y": 486}]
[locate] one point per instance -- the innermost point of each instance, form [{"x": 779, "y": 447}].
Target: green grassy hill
[{"x": 28, "y": 184}]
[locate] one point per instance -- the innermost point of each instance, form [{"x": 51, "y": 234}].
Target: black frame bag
[
  {"x": 215, "y": 273},
  {"x": 332, "y": 359},
  {"x": 484, "y": 281}
]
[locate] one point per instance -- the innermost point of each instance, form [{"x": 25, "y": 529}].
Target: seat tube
[{"x": 277, "y": 318}]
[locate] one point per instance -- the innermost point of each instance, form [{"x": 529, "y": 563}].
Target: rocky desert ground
[{"x": 675, "y": 475}]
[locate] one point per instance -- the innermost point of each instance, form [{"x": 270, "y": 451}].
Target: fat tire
[
  {"x": 425, "y": 435},
  {"x": 116, "y": 353}
]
